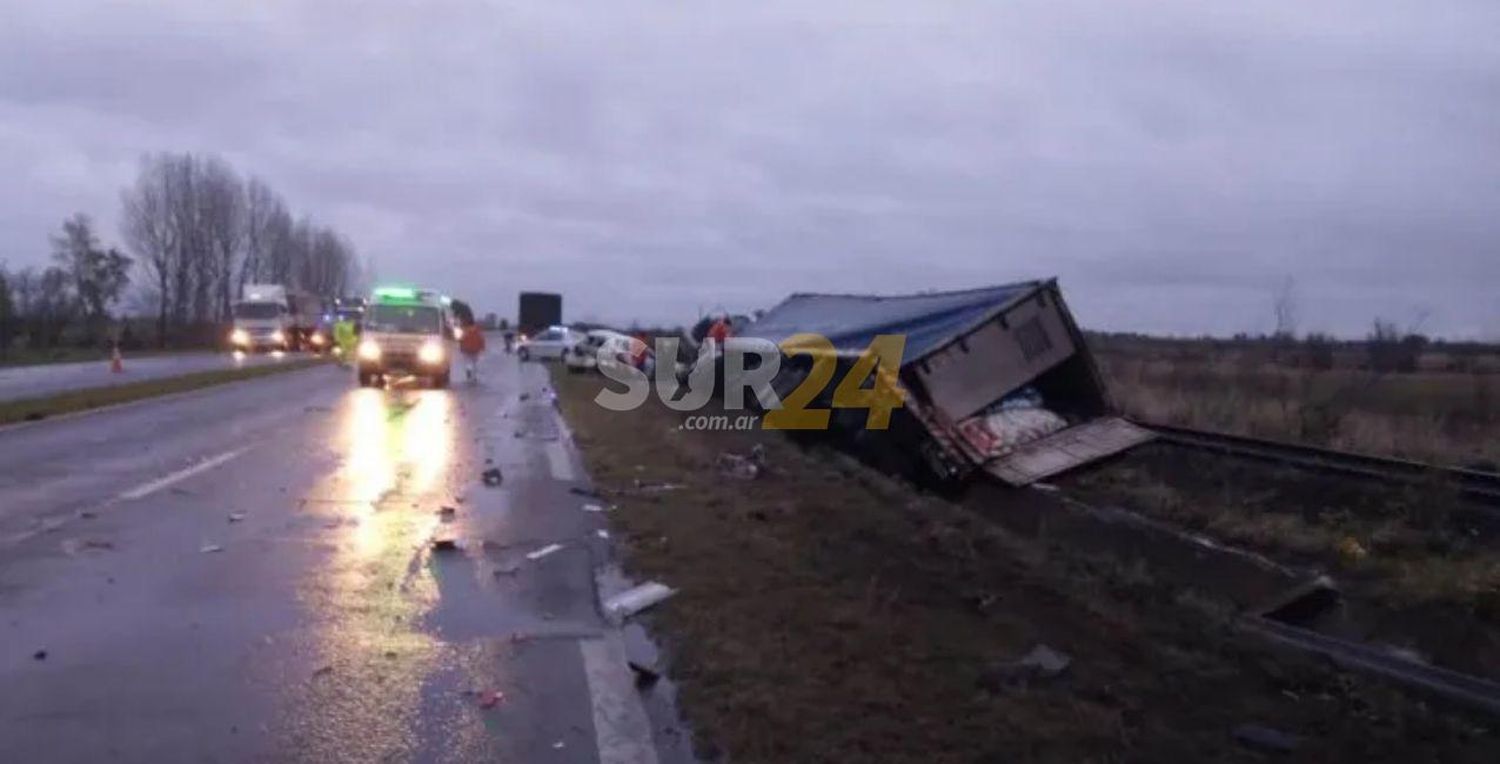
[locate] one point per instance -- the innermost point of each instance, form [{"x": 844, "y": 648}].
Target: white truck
[{"x": 273, "y": 317}]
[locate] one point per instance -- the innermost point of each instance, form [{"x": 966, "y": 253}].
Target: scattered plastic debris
[
  {"x": 543, "y": 552},
  {"x": 742, "y": 467},
  {"x": 235, "y": 517},
  {"x": 558, "y": 745},
  {"x": 492, "y": 477},
  {"x": 1048, "y": 487},
  {"x": 593, "y": 507},
  {"x": 1041, "y": 663},
  {"x": 444, "y": 545},
  {"x": 636, "y": 599},
  {"x": 211, "y": 548},
  {"x": 1265, "y": 739},
  {"x": 601, "y": 533}
]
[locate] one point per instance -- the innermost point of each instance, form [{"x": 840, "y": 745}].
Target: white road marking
[
  {"x": 146, "y": 489},
  {"x": 543, "y": 552},
  {"x": 561, "y": 464},
  {"x": 622, "y": 730}
]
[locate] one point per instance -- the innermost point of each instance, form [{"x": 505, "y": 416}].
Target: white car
[
  {"x": 549, "y": 344},
  {"x": 599, "y": 347}
]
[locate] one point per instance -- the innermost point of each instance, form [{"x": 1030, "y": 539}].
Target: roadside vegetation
[
  {"x": 828, "y": 613},
  {"x": 33, "y": 409},
  {"x": 1391, "y": 394}
]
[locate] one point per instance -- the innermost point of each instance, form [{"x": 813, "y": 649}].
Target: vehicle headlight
[
  {"x": 277, "y": 336},
  {"x": 317, "y": 338},
  {"x": 369, "y": 351},
  {"x": 239, "y": 337},
  {"x": 430, "y": 352}
]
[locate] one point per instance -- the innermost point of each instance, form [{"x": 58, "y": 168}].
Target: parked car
[{"x": 549, "y": 344}]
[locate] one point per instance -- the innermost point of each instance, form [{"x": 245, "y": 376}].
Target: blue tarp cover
[{"x": 850, "y": 322}]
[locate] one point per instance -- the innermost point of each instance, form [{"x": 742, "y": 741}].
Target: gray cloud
[{"x": 1172, "y": 162}]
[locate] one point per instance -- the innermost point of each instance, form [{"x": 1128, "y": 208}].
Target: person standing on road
[
  {"x": 471, "y": 344},
  {"x": 344, "y": 337}
]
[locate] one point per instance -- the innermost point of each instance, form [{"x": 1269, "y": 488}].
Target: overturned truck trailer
[{"x": 997, "y": 379}]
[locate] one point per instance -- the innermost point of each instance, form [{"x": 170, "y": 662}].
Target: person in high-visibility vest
[
  {"x": 345, "y": 337},
  {"x": 471, "y": 344}
]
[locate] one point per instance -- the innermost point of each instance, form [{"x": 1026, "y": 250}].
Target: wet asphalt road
[
  {"x": 17, "y": 382},
  {"x": 142, "y": 623}
]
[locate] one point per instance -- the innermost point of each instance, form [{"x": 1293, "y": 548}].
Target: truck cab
[
  {"x": 262, "y": 319},
  {"x": 406, "y": 331}
]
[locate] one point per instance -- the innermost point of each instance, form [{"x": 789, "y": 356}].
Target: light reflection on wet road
[{"x": 327, "y": 629}]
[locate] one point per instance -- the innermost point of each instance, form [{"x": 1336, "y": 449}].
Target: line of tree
[
  {"x": 201, "y": 233},
  {"x": 81, "y": 288}
]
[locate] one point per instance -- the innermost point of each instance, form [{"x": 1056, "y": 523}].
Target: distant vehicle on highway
[
  {"x": 549, "y": 344},
  {"x": 538, "y": 312},
  {"x": 262, "y": 319},
  {"x": 600, "y": 347},
  {"x": 406, "y": 330},
  {"x": 274, "y": 317}
]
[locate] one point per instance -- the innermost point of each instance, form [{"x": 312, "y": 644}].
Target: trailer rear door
[{"x": 1066, "y": 449}]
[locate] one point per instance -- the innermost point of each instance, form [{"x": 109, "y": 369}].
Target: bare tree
[
  {"x": 98, "y": 275},
  {"x": 222, "y": 202},
  {"x": 151, "y": 233},
  {"x": 264, "y": 211},
  {"x": 1285, "y": 306}
]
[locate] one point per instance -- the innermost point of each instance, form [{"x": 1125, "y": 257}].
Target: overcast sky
[{"x": 1171, "y": 162}]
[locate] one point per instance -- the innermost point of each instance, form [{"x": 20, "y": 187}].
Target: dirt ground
[{"x": 827, "y": 613}]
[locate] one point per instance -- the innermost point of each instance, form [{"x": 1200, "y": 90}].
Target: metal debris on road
[
  {"x": 601, "y": 533},
  {"x": 492, "y": 477},
  {"x": 211, "y": 548},
  {"x": 235, "y": 517},
  {"x": 558, "y": 744},
  {"x": 593, "y": 507},
  {"x": 543, "y": 552},
  {"x": 636, "y": 599}
]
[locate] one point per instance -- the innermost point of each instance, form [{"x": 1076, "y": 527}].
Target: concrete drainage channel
[{"x": 1298, "y": 609}]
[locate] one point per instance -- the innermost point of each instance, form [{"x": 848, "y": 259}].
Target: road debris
[
  {"x": 649, "y": 486},
  {"x": 581, "y": 491},
  {"x": 593, "y": 507},
  {"x": 601, "y": 533},
  {"x": 490, "y": 698},
  {"x": 634, "y": 600},
  {"x": 87, "y": 515},
  {"x": 558, "y": 745},
  {"x": 323, "y": 671},
  {"x": 492, "y": 477},
  {"x": 447, "y": 512},
  {"x": 39, "y": 655},
  {"x": 543, "y": 552},
  {"x": 211, "y": 548},
  {"x": 507, "y": 570},
  {"x": 72, "y": 547},
  {"x": 235, "y": 517},
  {"x": 742, "y": 467},
  {"x": 444, "y": 545},
  {"x": 1041, "y": 663},
  {"x": 1265, "y": 739}
]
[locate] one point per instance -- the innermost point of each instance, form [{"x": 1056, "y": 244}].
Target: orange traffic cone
[{"x": 116, "y": 363}]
